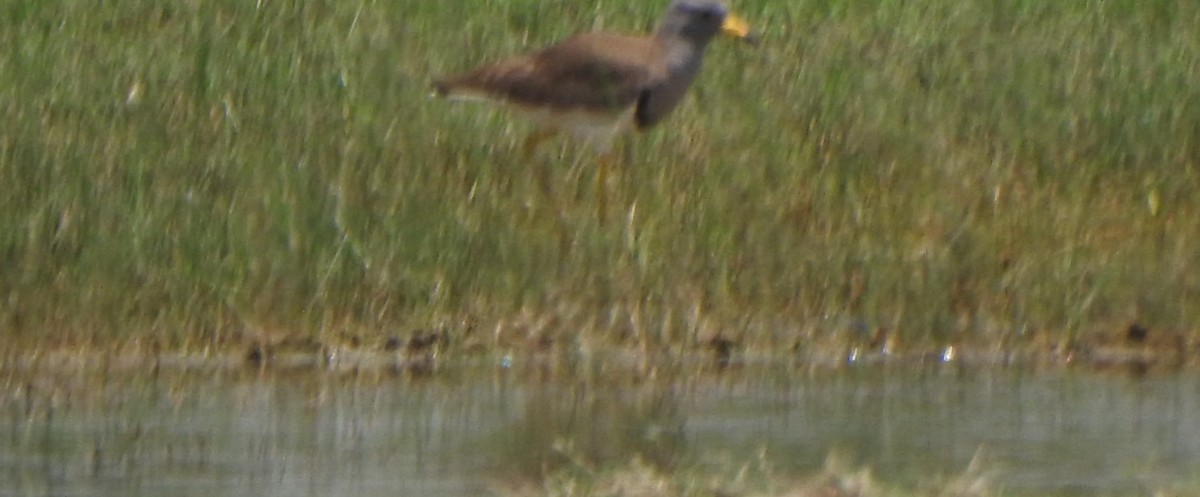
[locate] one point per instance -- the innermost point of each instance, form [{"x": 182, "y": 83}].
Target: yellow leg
[
  {"x": 531, "y": 144},
  {"x": 602, "y": 168}
]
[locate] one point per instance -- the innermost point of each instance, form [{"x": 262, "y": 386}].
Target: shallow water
[{"x": 464, "y": 431}]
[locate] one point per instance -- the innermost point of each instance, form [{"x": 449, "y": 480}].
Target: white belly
[{"x": 597, "y": 130}]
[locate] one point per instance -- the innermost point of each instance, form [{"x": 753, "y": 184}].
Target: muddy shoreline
[{"x": 1133, "y": 350}]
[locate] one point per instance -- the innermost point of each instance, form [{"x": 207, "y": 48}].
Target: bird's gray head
[
  {"x": 699, "y": 21},
  {"x": 696, "y": 20}
]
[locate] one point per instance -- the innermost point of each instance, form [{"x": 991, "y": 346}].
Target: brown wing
[{"x": 595, "y": 71}]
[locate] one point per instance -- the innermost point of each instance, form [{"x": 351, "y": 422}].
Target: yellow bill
[{"x": 736, "y": 27}]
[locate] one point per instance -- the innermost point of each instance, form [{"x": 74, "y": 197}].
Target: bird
[{"x": 596, "y": 86}]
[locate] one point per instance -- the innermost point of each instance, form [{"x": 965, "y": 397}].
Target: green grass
[{"x": 953, "y": 170}]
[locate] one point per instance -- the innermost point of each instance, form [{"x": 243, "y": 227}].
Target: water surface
[{"x": 466, "y": 430}]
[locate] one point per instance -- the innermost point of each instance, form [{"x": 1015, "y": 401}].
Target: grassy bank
[
  {"x": 758, "y": 479},
  {"x": 948, "y": 170}
]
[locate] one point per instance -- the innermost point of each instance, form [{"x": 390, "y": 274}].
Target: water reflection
[
  {"x": 463, "y": 431},
  {"x": 1058, "y": 434}
]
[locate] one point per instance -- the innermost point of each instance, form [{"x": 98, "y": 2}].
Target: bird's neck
[
  {"x": 682, "y": 55},
  {"x": 670, "y": 36}
]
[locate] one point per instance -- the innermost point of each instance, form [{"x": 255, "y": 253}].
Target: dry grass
[
  {"x": 203, "y": 174},
  {"x": 637, "y": 479},
  {"x": 757, "y": 479}
]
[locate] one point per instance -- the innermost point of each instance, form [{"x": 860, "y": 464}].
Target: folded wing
[{"x": 598, "y": 72}]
